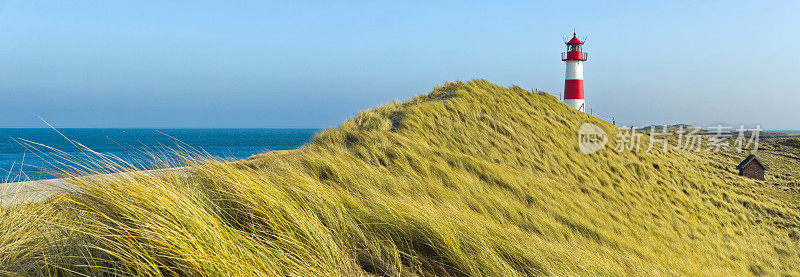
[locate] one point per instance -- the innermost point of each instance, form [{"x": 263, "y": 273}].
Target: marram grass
[{"x": 470, "y": 180}]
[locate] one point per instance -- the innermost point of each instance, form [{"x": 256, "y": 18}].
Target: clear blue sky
[{"x": 267, "y": 64}]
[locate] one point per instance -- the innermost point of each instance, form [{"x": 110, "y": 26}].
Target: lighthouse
[{"x": 573, "y": 83}]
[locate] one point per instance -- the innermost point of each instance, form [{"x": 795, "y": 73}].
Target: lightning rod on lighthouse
[{"x": 573, "y": 83}]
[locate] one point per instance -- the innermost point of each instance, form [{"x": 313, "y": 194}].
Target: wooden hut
[{"x": 752, "y": 167}]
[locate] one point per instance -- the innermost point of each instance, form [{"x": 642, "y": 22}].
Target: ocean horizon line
[{"x": 170, "y": 128}]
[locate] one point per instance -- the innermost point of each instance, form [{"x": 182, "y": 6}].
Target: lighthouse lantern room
[{"x": 573, "y": 85}]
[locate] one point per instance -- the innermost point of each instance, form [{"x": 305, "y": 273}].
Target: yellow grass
[{"x": 470, "y": 180}]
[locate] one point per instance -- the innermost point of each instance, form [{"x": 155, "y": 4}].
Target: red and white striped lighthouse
[{"x": 573, "y": 85}]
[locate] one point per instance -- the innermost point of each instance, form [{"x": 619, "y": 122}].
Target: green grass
[{"x": 470, "y": 180}]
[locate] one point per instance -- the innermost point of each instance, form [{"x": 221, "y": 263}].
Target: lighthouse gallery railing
[{"x": 582, "y": 56}]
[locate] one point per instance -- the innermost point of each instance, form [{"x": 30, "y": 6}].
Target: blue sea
[{"x": 19, "y": 163}]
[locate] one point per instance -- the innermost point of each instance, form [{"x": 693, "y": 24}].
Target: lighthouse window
[{"x": 574, "y": 48}]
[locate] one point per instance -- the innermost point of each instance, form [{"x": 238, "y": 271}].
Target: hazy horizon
[{"x": 203, "y": 64}]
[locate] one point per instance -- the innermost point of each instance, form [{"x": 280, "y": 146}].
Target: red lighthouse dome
[{"x": 574, "y": 40}]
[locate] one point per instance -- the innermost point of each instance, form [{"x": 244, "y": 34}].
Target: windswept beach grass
[{"x": 471, "y": 179}]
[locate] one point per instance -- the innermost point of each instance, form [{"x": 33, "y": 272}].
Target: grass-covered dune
[{"x": 471, "y": 179}]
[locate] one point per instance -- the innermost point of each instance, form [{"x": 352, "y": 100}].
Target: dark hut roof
[{"x": 749, "y": 159}]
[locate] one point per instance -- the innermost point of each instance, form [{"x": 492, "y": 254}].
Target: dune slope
[{"x": 471, "y": 179}]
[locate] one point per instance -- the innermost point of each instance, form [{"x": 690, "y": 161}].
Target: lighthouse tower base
[{"x": 578, "y": 104}]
